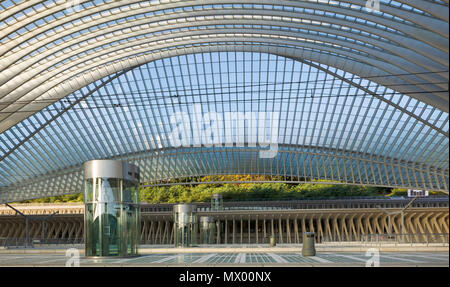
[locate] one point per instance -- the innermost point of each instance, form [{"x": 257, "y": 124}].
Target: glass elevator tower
[
  {"x": 186, "y": 225},
  {"x": 216, "y": 202},
  {"x": 112, "y": 210},
  {"x": 207, "y": 230}
]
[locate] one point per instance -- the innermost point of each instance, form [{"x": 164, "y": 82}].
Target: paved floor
[{"x": 234, "y": 259}]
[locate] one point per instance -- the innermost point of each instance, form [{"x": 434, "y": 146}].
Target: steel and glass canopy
[{"x": 362, "y": 95}]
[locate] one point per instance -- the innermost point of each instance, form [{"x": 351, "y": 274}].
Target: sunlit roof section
[
  {"x": 361, "y": 93},
  {"x": 322, "y": 117}
]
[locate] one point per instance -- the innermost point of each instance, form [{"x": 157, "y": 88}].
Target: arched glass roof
[{"x": 360, "y": 96}]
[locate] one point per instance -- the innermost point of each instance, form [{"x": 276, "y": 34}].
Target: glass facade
[
  {"x": 335, "y": 136},
  {"x": 216, "y": 202},
  {"x": 186, "y": 225},
  {"x": 361, "y": 96},
  {"x": 207, "y": 230},
  {"x": 112, "y": 217}
]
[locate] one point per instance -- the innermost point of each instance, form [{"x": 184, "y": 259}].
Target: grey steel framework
[
  {"x": 428, "y": 224},
  {"x": 362, "y": 94}
]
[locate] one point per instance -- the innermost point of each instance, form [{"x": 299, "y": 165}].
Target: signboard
[{"x": 419, "y": 192}]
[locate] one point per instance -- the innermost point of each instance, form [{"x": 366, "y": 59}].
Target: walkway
[{"x": 294, "y": 259}]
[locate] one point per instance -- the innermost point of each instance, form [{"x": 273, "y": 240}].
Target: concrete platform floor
[{"x": 245, "y": 257}]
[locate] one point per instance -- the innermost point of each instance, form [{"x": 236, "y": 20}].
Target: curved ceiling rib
[
  {"x": 383, "y": 120},
  {"x": 361, "y": 164},
  {"x": 68, "y": 181},
  {"x": 286, "y": 16},
  {"x": 120, "y": 55},
  {"x": 383, "y": 99},
  {"x": 142, "y": 27},
  {"x": 407, "y": 21},
  {"x": 12, "y": 88}
]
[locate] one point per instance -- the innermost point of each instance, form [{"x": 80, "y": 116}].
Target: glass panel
[
  {"x": 112, "y": 217},
  {"x": 88, "y": 190},
  {"x": 208, "y": 231},
  {"x": 186, "y": 229}
]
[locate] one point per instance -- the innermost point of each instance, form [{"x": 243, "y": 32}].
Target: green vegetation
[
  {"x": 76, "y": 197},
  {"x": 239, "y": 191},
  {"x": 245, "y": 192},
  {"x": 255, "y": 191},
  {"x": 398, "y": 192}
]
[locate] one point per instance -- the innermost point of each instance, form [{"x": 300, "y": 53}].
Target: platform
[{"x": 246, "y": 257}]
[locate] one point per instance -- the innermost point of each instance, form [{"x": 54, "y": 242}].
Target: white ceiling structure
[{"x": 362, "y": 94}]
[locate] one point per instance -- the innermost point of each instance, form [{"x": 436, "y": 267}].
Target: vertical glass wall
[
  {"x": 186, "y": 225},
  {"x": 112, "y": 210},
  {"x": 216, "y": 202},
  {"x": 207, "y": 230}
]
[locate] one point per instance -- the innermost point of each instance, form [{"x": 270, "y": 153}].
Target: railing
[
  {"x": 12, "y": 242},
  {"x": 37, "y": 242},
  {"x": 406, "y": 238},
  {"x": 395, "y": 239},
  {"x": 311, "y": 203},
  {"x": 428, "y": 239}
]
